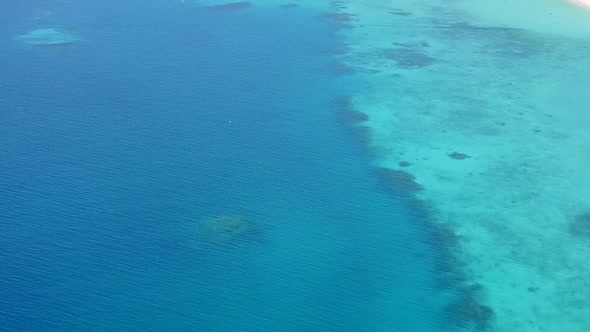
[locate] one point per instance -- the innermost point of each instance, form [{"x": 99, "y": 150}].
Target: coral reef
[{"x": 408, "y": 58}]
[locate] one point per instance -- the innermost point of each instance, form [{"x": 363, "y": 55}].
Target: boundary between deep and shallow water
[
  {"x": 476, "y": 116},
  {"x": 464, "y": 308}
]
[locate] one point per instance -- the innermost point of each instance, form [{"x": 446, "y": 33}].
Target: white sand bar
[{"x": 505, "y": 86}]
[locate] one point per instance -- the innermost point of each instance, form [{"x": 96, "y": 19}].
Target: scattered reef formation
[{"x": 526, "y": 274}]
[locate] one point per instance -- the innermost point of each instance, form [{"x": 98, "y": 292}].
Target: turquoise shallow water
[{"x": 118, "y": 150}]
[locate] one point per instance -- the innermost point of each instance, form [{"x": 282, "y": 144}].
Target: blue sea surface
[{"x": 117, "y": 151}]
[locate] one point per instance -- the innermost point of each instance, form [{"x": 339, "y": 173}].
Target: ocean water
[{"x": 118, "y": 154}]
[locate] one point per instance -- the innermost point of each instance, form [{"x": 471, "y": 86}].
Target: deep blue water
[{"x": 115, "y": 150}]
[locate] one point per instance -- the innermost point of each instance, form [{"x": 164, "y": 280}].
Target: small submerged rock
[{"x": 458, "y": 156}]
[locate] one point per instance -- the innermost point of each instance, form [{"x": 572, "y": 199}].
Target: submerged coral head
[
  {"x": 228, "y": 228},
  {"x": 408, "y": 58},
  {"x": 458, "y": 156},
  {"x": 227, "y": 225}
]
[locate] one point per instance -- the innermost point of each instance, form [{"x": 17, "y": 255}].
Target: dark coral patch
[
  {"x": 410, "y": 44},
  {"x": 340, "y": 48},
  {"x": 338, "y": 17},
  {"x": 580, "y": 226},
  {"x": 340, "y": 69},
  {"x": 338, "y": 3},
  {"x": 400, "y": 12},
  {"x": 232, "y": 6},
  {"x": 341, "y": 18},
  {"x": 441, "y": 235},
  {"x": 352, "y": 121},
  {"x": 289, "y": 5},
  {"x": 458, "y": 156},
  {"x": 532, "y": 289},
  {"x": 396, "y": 180},
  {"x": 408, "y": 58},
  {"x": 447, "y": 266},
  {"x": 468, "y": 312},
  {"x": 362, "y": 137},
  {"x": 346, "y": 111},
  {"x": 405, "y": 163}
]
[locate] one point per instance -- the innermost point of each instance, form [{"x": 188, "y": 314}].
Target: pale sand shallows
[
  {"x": 47, "y": 37},
  {"x": 514, "y": 99}
]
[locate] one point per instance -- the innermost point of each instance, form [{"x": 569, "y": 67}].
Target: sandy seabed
[{"x": 487, "y": 105}]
